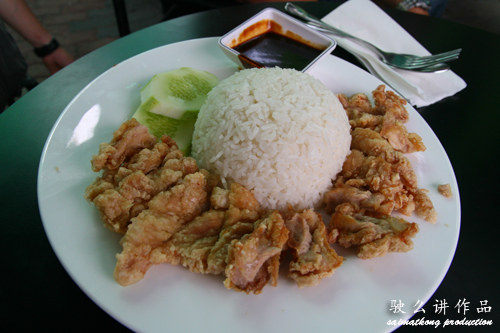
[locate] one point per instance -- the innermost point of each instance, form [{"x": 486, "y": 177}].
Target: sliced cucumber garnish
[
  {"x": 171, "y": 102},
  {"x": 179, "y": 130},
  {"x": 178, "y": 94}
]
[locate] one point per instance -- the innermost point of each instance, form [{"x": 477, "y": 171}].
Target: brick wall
[{"x": 82, "y": 26}]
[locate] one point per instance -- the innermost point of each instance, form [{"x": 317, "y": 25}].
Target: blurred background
[{"x": 82, "y": 26}]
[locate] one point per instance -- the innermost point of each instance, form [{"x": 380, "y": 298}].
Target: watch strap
[{"x": 45, "y": 50}]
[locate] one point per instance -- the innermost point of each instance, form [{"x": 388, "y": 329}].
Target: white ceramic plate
[{"x": 357, "y": 298}]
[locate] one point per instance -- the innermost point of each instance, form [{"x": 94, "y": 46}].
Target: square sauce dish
[{"x": 272, "y": 38}]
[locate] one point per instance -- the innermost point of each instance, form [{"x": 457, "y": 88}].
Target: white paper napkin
[{"x": 364, "y": 19}]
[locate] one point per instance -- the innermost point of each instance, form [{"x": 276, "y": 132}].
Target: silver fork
[{"x": 398, "y": 60}]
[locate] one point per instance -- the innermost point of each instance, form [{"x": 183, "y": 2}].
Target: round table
[{"x": 38, "y": 293}]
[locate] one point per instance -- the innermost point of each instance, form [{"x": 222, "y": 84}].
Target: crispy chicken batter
[
  {"x": 359, "y": 102},
  {"x": 313, "y": 257},
  {"x": 396, "y": 133},
  {"x": 129, "y": 139},
  {"x": 242, "y": 211},
  {"x": 375, "y": 184},
  {"x": 167, "y": 212},
  {"x": 371, "y": 143},
  {"x": 387, "y": 117},
  {"x": 389, "y": 102},
  {"x": 253, "y": 260},
  {"x": 445, "y": 189},
  {"x": 377, "y": 165},
  {"x": 364, "y": 199},
  {"x": 424, "y": 207},
  {"x": 172, "y": 212},
  {"x": 220, "y": 198},
  {"x": 192, "y": 245},
  {"x": 123, "y": 193},
  {"x": 375, "y": 236},
  {"x": 377, "y": 179}
]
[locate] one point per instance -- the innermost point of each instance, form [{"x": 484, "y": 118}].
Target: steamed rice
[{"x": 279, "y": 132}]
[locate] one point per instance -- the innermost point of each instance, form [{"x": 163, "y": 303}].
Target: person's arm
[
  {"x": 418, "y": 10},
  {"x": 19, "y": 17}
]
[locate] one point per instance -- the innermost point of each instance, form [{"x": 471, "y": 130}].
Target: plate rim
[{"x": 112, "y": 312}]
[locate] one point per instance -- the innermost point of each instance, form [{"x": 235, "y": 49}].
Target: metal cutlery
[{"x": 430, "y": 63}]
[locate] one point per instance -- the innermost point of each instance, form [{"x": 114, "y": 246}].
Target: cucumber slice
[
  {"x": 179, "y": 130},
  {"x": 177, "y": 94}
]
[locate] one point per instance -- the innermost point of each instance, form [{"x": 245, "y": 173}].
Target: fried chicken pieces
[
  {"x": 167, "y": 212},
  {"x": 253, "y": 259},
  {"x": 375, "y": 236},
  {"x": 135, "y": 169},
  {"x": 377, "y": 179},
  {"x": 171, "y": 212},
  {"x": 313, "y": 257}
]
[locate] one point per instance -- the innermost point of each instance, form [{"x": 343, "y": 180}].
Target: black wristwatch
[{"x": 45, "y": 50}]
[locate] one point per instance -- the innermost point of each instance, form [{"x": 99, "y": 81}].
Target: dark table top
[{"x": 36, "y": 291}]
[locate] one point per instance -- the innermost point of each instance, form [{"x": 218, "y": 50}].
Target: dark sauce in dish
[
  {"x": 272, "y": 49},
  {"x": 266, "y": 44}
]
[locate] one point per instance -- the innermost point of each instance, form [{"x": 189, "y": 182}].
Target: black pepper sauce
[{"x": 272, "y": 48}]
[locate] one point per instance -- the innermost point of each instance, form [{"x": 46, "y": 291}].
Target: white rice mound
[{"x": 279, "y": 132}]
